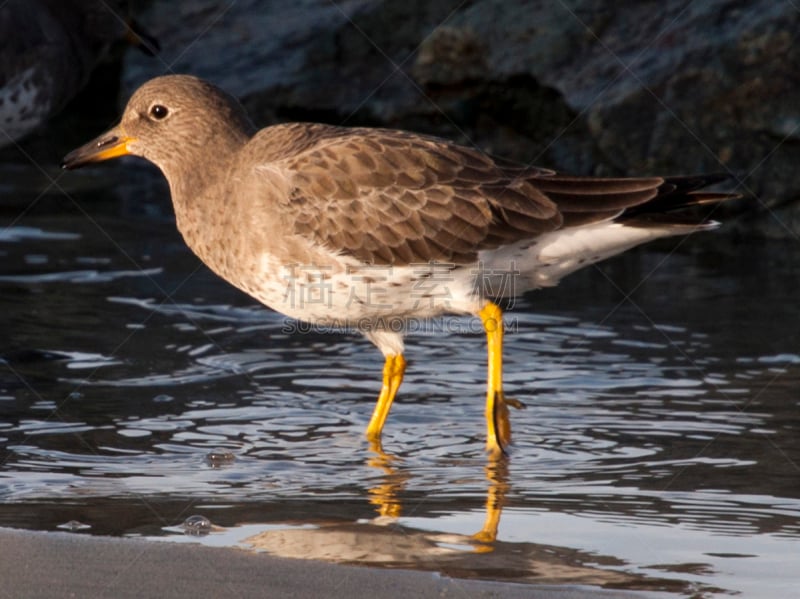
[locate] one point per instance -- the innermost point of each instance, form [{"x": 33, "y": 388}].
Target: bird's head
[{"x": 172, "y": 121}]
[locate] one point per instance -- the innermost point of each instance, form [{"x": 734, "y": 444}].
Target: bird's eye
[{"x": 158, "y": 112}]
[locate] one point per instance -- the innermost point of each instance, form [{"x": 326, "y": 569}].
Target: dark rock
[
  {"x": 49, "y": 50},
  {"x": 632, "y": 87}
]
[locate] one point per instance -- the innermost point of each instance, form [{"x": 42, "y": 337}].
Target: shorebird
[{"x": 375, "y": 228}]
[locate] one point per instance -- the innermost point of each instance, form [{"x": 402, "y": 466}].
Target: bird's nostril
[{"x": 107, "y": 141}]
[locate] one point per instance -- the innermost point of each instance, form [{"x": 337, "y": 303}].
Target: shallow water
[{"x": 659, "y": 449}]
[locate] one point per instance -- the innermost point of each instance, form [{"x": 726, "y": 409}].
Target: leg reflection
[
  {"x": 386, "y": 495},
  {"x": 497, "y": 476}
]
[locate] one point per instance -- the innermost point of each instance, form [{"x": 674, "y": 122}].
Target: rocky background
[{"x": 632, "y": 87}]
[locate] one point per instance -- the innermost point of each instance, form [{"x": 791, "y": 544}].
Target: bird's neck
[
  {"x": 197, "y": 177},
  {"x": 198, "y": 164},
  {"x": 199, "y": 211}
]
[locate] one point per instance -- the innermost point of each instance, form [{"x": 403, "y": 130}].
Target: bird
[
  {"x": 49, "y": 49},
  {"x": 374, "y": 229}
]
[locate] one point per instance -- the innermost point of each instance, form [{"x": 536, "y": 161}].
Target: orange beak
[{"x": 109, "y": 145}]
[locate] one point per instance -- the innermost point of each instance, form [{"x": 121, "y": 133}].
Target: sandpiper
[{"x": 374, "y": 229}]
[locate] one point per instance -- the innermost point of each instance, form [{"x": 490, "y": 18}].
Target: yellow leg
[
  {"x": 498, "y": 426},
  {"x": 393, "y": 369}
]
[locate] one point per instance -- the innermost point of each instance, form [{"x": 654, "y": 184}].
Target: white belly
[
  {"x": 342, "y": 293},
  {"x": 356, "y": 296}
]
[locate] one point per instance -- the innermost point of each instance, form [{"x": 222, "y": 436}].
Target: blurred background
[
  {"x": 583, "y": 86},
  {"x": 660, "y": 447}
]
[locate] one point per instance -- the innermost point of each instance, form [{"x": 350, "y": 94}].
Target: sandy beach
[{"x": 56, "y": 565}]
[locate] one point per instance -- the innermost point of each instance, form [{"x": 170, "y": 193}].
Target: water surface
[{"x": 659, "y": 449}]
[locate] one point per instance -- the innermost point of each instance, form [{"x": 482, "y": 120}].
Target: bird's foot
[{"x": 514, "y": 403}]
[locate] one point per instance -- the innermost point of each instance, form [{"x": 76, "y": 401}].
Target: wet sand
[{"x": 56, "y": 564}]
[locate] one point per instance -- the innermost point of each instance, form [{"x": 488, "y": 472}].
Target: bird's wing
[{"x": 390, "y": 197}]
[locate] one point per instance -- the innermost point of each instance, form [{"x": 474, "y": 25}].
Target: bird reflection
[
  {"x": 386, "y": 541},
  {"x": 386, "y": 495}
]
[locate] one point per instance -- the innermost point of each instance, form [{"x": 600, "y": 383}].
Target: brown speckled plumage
[{"x": 342, "y": 202}]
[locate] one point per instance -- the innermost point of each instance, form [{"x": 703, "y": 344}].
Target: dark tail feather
[
  {"x": 677, "y": 193},
  {"x": 666, "y": 197}
]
